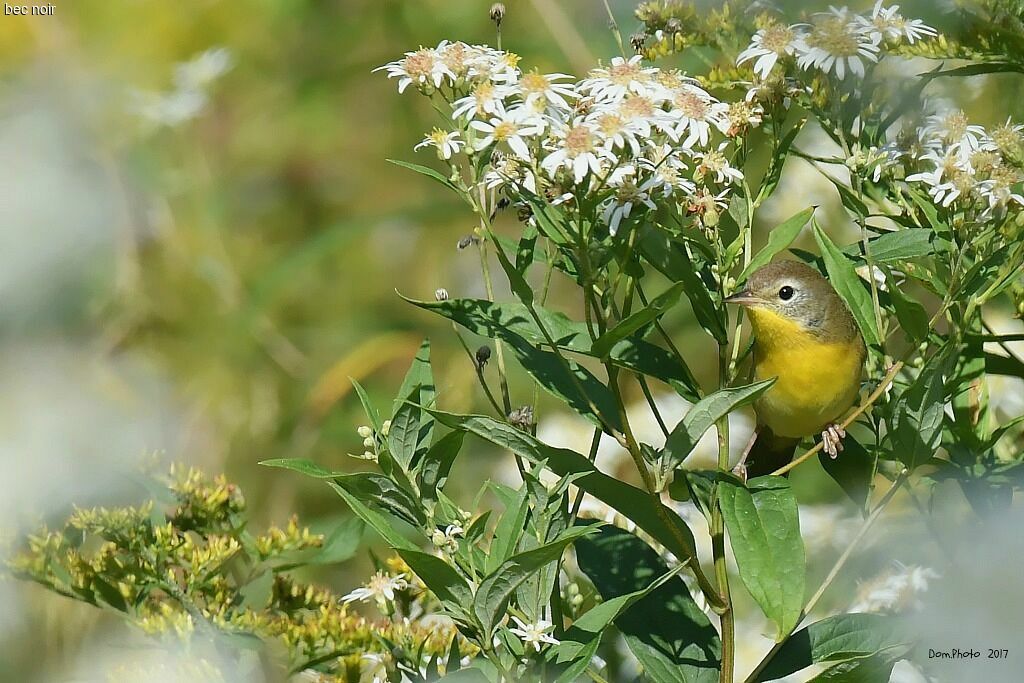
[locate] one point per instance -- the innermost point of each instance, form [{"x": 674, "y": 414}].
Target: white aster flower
[
  {"x": 768, "y": 45},
  {"x": 620, "y": 205},
  {"x": 666, "y": 172},
  {"x": 615, "y": 132},
  {"x": 533, "y": 634},
  {"x": 380, "y": 587},
  {"x": 448, "y": 143},
  {"x": 497, "y": 66},
  {"x": 953, "y": 130},
  {"x": 201, "y": 71},
  {"x": 486, "y": 98},
  {"x": 621, "y": 77},
  {"x": 714, "y": 161},
  {"x": 576, "y": 149},
  {"x": 373, "y": 668},
  {"x": 167, "y": 109},
  {"x": 895, "y": 590},
  {"x": 889, "y": 24},
  {"x": 508, "y": 170},
  {"x": 695, "y": 112},
  {"x": 835, "y": 42},
  {"x": 544, "y": 89},
  {"x": 422, "y": 68},
  {"x": 950, "y": 177},
  {"x": 509, "y": 128}
]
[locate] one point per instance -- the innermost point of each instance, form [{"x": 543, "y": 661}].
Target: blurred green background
[{"x": 201, "y": 292}]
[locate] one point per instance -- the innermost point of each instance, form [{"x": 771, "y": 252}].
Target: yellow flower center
[
  {"x": 833, "y": 36},
  {"x": 636, "y": 107},
  {"x": 578, "y": 141},
  {"x": 504, "y": 130},
  {"x": 534, "y": 83},
  {"x": 777, "y": 38},
  {"x": 419, "y": 64},
  {"x": 691, "y": 105}
]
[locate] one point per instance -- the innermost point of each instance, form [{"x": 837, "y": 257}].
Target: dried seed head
[
  {"x": 466, "y": 241},
  {"x": 441, "y": 294},
  {"x": 483, "y": 354},
  {"x": 522, "y": 418},
  {"x": 497, "y": 13},
  {"x": 524, "y": 213},
  {"x": 637, "y": 40}
]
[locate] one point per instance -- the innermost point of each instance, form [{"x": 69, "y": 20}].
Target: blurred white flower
[
  {"x": 486, "y": 98},
  {"x": 546, "y": 90},
  {"x": 576, "y": 148},
  {"x": 373, "y": 668},
  {"x": 447, "y": 143},
  {"x": 837, "y": 42},
  {"x": 889, "y": 24},
  {"x": 767, "y": 46},
  {"x": 167, "y": 109},
  {"x": 620, "y": 78},
  {"x": 381, "y": 587},
  {"x": 202, "y": 70},
  {"x": 895, "y": 590},
  {"x": 508, "y": 128},
  {"x": 533, "y": 634}
]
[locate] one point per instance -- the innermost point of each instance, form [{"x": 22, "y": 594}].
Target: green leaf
[
  {"x": 520, "y": 287},
  {"x": 509, "y": 529},
  {"x": 666, "y": 631},
  {"x": 645, "y": 316},
  {"x": 424, "y": 170},
  {"x": 645, "y": 510},
  {"x": 849, "y": 286},
  {"x": 976, "y": 70},
  {"x": 778, "y": 161},
  {"x": 371, "y": 412},
  {"x": 702, "y": 416},
  {"x": 866, "y": 670},
  {"x": 764, "y": 531},
  {"x": 436, "y": 464},
  {"x": 673, "y": 261},
  {"x": 419, "y": 380},
  {"x": 441, "y": 578},
  {"x": 1003, "y": 365},
  {"x": 918, "y": 412},
  {"x": 302, "y": 466},
  {"x": 575, "y": 385},
  {"x": 502, "y": 320},
  {"x": 910, "y": 314},
  {"x": 497, "y": 587},
  {"x": 468, "y": 675},
  {"x": 376, "y": 521},
  {"x": 833, "y": 639},
  {"x": 901, "y": 245},
  {"x": 852, "y": 470},
  {"x": 526, "y": 248},
  {"x": 779, "y": 239},
  {"x": 380, "y": 491},
  {"x": 404, "y": 435},
  {"x": 340, "y": 544}
]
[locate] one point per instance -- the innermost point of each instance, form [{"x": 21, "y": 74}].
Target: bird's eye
[{"x": 786, "y": 293}]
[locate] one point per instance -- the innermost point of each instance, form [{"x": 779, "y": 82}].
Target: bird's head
[{"x": 794, "y": 292}]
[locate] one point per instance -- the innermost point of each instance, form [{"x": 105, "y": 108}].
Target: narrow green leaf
[
  {"x": 380, "y": 491},
  {"x": 666, "y": 631},
  {"x": 441, "y": 578},
  {"x": 764, "y": 531},
  {"x": 849, "y": 286},
  {"x": 501, "y": 320},
  {"x": 779, "y": 239},
  {"x": 901, "y": 245},
  {"x": 645, "y": 510},
  {"x": 375, "y": 520},
  {"x": 415, "y": 427},
  {"x": 645, "y": 316},
  {"x": 575, "y": 385},
  {"x": 436, "y": 464},
  {"x": 427, "y": 171},
  {"x": 520, "y": 287},
  {"x": 911, "y": 315},
  {"x": 918, "y": 412},
  {"x": 662, "y": 253},
  {"x": 404, "y": 434},
  {"x": 302, "y": 466},
  {"x": 508, "y": 530},
  {"x": 702, "y": 416},
  {"x": 371, "y": 413},
  {"x": 833, "y": 639},
  {"x": 493, "y": 594}
]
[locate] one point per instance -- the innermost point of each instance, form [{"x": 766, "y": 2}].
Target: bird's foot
[{"x": 832, "y": 440}]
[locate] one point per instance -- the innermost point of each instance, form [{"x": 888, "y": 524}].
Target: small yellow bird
[{"x": 806, "y": 337}]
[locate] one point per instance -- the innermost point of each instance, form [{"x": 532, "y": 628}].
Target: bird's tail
[{"x": 769, "y": 452}]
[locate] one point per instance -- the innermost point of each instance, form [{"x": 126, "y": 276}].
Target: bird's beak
[{"x": 743, "y": 298}]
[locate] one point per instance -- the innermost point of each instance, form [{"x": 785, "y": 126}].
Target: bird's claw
[{"x": 832, "y": 440}]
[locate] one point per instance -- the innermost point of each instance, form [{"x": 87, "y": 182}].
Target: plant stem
[
  {"x": 498, "y": 348},
  {"x": 717, "y": 525},
  {"x": 615, "y": 28}
]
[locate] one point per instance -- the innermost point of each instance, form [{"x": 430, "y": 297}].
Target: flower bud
[
  {"x": 365, "y": 431},
  {"x": 368, "y": 442},
  {"x": 386, "y": 427},
  {"x": 497, "y": 13},
  {"x": 483, "y": 354}
]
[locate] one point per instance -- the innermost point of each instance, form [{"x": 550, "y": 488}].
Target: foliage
[{"x": 639, "y": 179}]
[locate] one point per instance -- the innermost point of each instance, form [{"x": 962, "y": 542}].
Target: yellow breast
[{"x": 817, "y": 380}]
